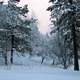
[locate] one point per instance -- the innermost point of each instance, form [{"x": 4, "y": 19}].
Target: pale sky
[{"x": 39, "y": 7}]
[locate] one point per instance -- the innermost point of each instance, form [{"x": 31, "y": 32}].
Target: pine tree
[
  {"x": 15, "y": 26},
  {"x": 63, "y": 14}
]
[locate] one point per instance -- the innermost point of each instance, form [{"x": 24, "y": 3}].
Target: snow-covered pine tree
[
  {"x": 15, "y": 26},
  {"x": 63, "y": 14},
  {"x": 35, "y": 34}
]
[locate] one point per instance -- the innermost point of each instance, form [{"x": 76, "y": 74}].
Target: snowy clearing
[{"x": 30, "y": 70}]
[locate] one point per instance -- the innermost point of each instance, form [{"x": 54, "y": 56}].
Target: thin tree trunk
[
  {"x": 53, "y": 62},
  {"x": 6, "y": 59},
  {"x": 42, "y": 60},
  {"x": 64, "y": 62},
  {"x": 65, "y": 55},
  {"x": 12, "y": 46},
  {"x": 5, "y": 51}
]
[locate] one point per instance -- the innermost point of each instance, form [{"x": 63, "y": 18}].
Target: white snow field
[{"x": 26, "y": 68}]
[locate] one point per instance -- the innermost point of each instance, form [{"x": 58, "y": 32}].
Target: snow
[{"x": 26, "y": 68}]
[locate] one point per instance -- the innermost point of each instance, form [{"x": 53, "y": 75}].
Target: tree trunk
[
  {"x": 12, "y": 46},
  {"x": 42, "y": 60},
  {"x": 5, "y": 50},
  {"x": 65, "y": 57},
  {"x": 64, "y": 62},
  {"x": 6, "y": 59},
  {"x": 53, "y": 62},
  {"x": 75, "y": 51}
]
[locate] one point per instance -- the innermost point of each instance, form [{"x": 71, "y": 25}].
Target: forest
[{"x": 20, "y": 37}]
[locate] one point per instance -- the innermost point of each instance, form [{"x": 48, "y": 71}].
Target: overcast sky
[{"x": 39, "y": 7}]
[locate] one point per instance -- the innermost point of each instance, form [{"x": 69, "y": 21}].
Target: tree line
[{"x": 18, "y": 32}]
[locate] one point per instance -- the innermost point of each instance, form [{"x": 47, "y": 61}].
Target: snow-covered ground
[{"x": 26, "y": 68}]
